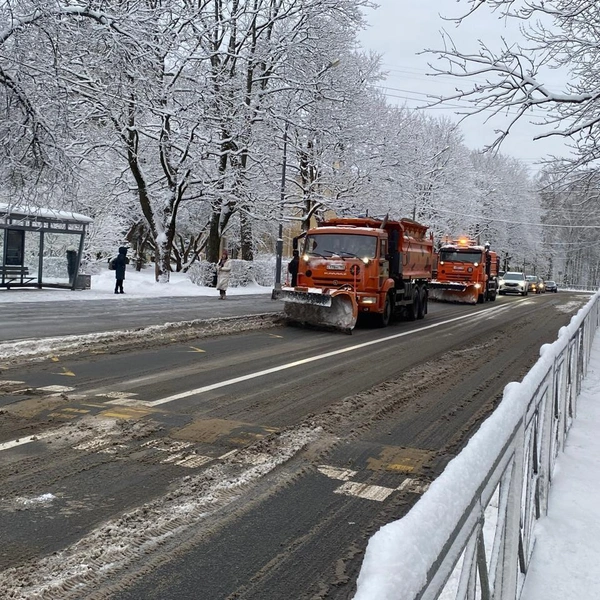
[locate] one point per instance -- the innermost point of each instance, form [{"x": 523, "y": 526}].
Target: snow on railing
[{"x": 471, "y": 535}]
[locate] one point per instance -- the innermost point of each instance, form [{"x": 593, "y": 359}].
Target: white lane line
[
  {"x": 126, "y": 402},
  {"x": 26, "y": 440},
  {"x": 117, "y": 395},
  {"x": 413, "y": 485},
  {"x": 298, "y": 363},
  {"x": 191, "y": 462},
  {"x": 363, "y": 490},
  {"x": 228, "y": 454},
  {"x": 336, "y": 472},
  {"x": 56, "y": 388}
]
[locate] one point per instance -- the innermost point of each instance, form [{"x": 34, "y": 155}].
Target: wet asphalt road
[{"x": 30, "y": 320}]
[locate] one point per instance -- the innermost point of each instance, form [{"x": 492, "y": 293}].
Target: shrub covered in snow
[{"x": 243, "y": 273}]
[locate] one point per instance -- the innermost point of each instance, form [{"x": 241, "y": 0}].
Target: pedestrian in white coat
[{"x": 223, "y": 273}]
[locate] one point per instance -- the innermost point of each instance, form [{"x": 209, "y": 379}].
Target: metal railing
[{"x": 471, "y": 535}]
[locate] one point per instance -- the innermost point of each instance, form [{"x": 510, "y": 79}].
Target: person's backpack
[{"x": 112, "y": 266}]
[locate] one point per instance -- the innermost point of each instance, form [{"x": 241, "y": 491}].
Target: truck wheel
[
  {"x": 386, "y": 316},
  {"x": 412, "y": 310},
  {"x": 422, "y": 305}
]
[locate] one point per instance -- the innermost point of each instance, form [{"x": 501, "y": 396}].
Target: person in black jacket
[
  {"x": 120, "y": 264},
  {"x": 293, "y": 267}
]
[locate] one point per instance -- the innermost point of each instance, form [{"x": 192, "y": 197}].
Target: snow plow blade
[
  {"x": 336, "y": 309},
  {"x": 453, "y": 292}
]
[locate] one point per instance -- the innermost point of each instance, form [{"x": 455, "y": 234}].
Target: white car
[{"x": 513, "y": 282}]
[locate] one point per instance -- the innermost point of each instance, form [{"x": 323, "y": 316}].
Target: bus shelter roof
[{"x": 10, "y": 213}]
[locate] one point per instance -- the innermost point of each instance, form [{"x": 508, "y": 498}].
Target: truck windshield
[
  {"x": 341, "y": 244},
  {"x": 460, "y": 256}
]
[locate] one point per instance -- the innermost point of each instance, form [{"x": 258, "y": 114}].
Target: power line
[{"x": 541, "y": 225}]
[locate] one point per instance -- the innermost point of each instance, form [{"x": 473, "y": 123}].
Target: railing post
[{"x": 506, "y": 587}]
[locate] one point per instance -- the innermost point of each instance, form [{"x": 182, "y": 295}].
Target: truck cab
[
  {"x": 466, "y": 272},
  {"x": 357, "y": 257}
]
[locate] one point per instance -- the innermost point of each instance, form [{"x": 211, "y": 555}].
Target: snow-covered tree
[{"x": 512, "y": 78}]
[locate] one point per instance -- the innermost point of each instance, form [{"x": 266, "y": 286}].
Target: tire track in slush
[{"x": 120, "y": 542}]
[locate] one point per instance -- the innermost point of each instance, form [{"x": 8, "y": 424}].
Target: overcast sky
[{"x": 400, "y": 29}]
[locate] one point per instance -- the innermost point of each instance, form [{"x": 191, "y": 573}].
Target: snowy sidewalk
[{"x": 566, "y": 558}]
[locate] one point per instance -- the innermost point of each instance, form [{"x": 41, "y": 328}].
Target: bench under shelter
[{"x": 42, "y": 247}]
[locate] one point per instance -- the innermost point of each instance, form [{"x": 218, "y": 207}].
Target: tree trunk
[
  {"x": 214, "y": 239},
  {"x": 246, "y": 237},
  {"x": 163, "y": 262}
]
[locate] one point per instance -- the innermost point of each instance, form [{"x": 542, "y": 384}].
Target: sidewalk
[{"x": 566, "y": 558}]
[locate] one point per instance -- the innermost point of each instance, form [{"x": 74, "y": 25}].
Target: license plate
[{"x": 336, "y": 267}]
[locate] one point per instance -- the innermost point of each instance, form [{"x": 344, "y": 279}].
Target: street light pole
[{"x": 279, "y": 247}]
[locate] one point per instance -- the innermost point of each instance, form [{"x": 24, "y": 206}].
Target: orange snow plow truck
[
  {"x": 466, "y": 273},
  {"x": 352, "y": 266}
]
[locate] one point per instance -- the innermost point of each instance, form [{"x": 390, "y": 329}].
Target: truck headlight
[
  {"x": 368, "y": 300},
  {"x": 477, "y": 286}
]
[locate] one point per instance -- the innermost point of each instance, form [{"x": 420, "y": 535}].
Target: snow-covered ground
[
  {"x": 137, "y": 285},
  {"x": 567, "y": 552}
]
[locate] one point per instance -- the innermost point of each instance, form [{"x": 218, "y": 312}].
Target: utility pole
[{"x": 279, "y": 246}]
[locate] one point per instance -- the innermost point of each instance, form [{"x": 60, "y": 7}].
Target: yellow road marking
[
  {"x": 55, "y": 359},
  {"x": 399, "y": 467},
  {"x": 66, "y": 372},
  {"x": 392, "y": 458},
  {"x": 62, "y": 415},
  {"x": 194, "y": 349},
  {"x": 275, "y": 336},
  {"x": 126, "y": 413}
]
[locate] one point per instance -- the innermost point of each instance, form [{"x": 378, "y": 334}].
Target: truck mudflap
[
  {"x": 336, "y": 309},
  {"x": 447, "y": 291}
]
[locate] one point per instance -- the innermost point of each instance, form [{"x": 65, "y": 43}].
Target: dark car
[
  {"x": 533, "y": 284},
  {"x": 551, "y": 286}
]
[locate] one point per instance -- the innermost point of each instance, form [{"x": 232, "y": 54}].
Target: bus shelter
[{"x": 41, "y": 247}]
